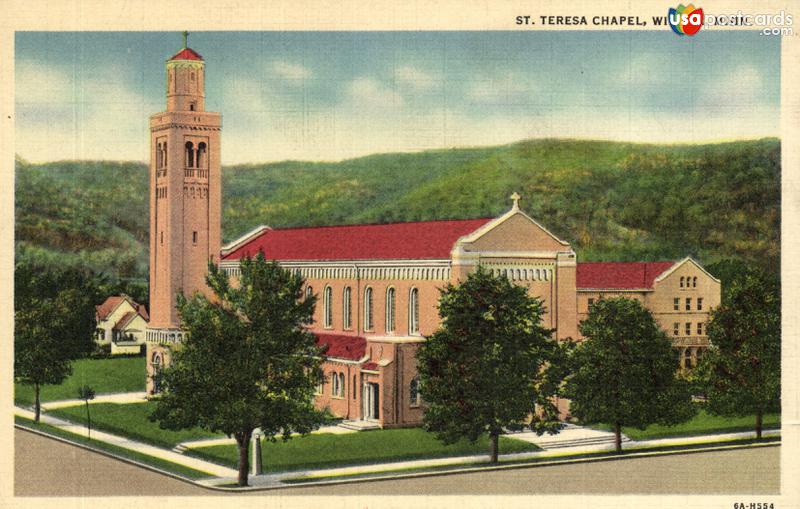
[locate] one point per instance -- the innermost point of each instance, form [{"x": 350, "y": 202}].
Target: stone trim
[
  {"x": 165, "y": 336},
  {"x": 393, "y": 270}
]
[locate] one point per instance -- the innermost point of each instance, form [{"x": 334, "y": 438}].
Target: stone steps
[{"x": 359, "y": 425}]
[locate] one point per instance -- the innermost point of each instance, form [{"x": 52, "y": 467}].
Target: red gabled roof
[
  {"x": 620, "y": 275},
  {"x": 111, "y": 303},
  {"x": 341, "y": 346},
  {"x": 105, "y": 309},
  {"x": 187, "y": 54},
  {"x": 395, "y": 241},
  {"x": 126, "y": 318}
]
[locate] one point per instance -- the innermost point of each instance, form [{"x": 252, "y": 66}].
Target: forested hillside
[{"x": 612, "y": 201}]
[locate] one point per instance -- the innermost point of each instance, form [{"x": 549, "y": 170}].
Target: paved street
[{"x": 82, "y": 473}]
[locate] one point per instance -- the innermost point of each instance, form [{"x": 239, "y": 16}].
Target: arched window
[
  {"x": 201, "y": 155},
  {"x": 353, "y": 387},
  {"x": 390, "y": 309},
  {"x": 413, "y": 392},
  {"x": 334, "y": 384},
  {"x": 320, "y": 385},
  {"x": 309, "y": 291},
  {"x": 347, "y": 315},
  {"x": 341, "y": 385},
  {"x": 157, "y": 364},
  {"x": 164, "y": 155},
  {"x": 681, "y": 282},
  {"x": 694, "y": 282},
  {"x": 368, "y": 309},
  {"x": 159, "y": 155},
  {"x": 327, "y": 306},
  {"x": 413, "y": 311},
  {"x": 189, "y": 154}
]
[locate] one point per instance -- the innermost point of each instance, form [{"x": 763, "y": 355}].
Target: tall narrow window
[
  {"x": 688, "y": 328},
  {"x": 327, "y": 306},
  {"x": 201, "y": 155},
  {"x": 413, "y": 392},
  {"x": 334, "y": 384},
  {"x": 699, "y": 328},
  {"x": 699, "y": 303},
  {"x": 341, "y": 385},
  {"x": 676, "y": 328},
  {"x": 309, "y": 292},
  {"x": 194, "y": 237},
  {"x": 688, "y": 304},
  {"x": 390, "y": 308},
  {"x": 159, "y": 154},
  {"x": 413, "y": 311},
  {"x": 189, "y": 154},
  {"x": 368, "y": 309},
  {"x": 676, "y": 303},
  {"x": 347, "y": 314},
  {"x": 694, "y": 282},
  {"x": 681, "y": 282},
  {"x": 353, "y": 390}
]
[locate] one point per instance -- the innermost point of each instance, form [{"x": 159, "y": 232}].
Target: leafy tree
[
  {"x": 86, "y": 393},
  {"x": 742, "y": 366},
  {"x": 54, "y": 323},
  {"x": 247, "y": 362},
  {"x": 624, "y": 372},
  {"x": 491, "y": 365}
]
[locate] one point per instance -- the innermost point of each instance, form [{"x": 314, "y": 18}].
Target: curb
[
  {"x": 112, "y": 455},
  {"x": 390, "y": 476},
  {"x": 491, "y": 468}
]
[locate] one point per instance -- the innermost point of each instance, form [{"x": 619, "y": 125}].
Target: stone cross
[{"x": 516, "y": 198}]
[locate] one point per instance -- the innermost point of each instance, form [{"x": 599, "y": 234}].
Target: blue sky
[{"x": 334, "y": 95}]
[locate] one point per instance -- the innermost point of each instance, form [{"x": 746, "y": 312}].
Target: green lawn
[
  {"x": 701, "y": 424},
  {"x": 113, "y": 449},
  {"x": 321, "y": 450},
  {"x": 124, "y": 374},
  {"x": 130, "y": 420}
]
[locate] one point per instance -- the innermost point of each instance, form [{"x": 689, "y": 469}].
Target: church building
[{"x": 378, "y": 284}]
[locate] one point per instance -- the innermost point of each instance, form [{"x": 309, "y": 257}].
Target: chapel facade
[{"x": 377, "y": 285}]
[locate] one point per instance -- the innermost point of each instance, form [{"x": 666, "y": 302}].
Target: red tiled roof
[
  {"x": 343, "y": 347},
  {"x": 122, "y": 322},
  {"x": 403, "y": 241},
  {"x": 370, "y": 366},
  {"x": 187, "y": 54},
  {"x": 111, "y": 303},
  {"x": 620, "y": 275},
  {"x": 105, "y": 309}
]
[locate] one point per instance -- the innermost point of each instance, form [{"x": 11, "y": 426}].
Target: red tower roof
[
  {"x": 397, "y": 241},
  {"x": 187, "y": 54},
  {"x": 620, "y": 275}
]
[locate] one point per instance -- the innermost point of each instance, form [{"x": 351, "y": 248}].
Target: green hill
[{"x": 612, "y": 201}]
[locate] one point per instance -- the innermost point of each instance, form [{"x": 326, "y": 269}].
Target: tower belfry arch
[{"x": 185, "y": 199}]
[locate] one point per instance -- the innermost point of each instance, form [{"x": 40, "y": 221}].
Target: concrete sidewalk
[
  {"x": 226, "y": 476},
  {"x": 276, "y": 479},
  {"x": 150, "y": 450},
  {"x": 121, "y": 398}
]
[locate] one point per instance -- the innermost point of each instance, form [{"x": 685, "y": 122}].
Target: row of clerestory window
[{"x": 369, "y": 312}]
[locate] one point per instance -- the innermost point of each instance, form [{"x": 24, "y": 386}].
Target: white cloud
[
  {"x": 371, "y": 92},
  {"x": 290, "y": 71},
  {"x": 505, "y": 89},
  {"x": 415, "y": 78},
  {"x": 741, "y": 87},
  {"x": 41, "y": 84}
]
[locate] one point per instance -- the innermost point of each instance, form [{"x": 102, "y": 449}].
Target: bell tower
[{"x": 185, "y": 200}]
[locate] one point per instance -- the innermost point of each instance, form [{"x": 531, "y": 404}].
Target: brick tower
[{"x": 185, "y": 198}]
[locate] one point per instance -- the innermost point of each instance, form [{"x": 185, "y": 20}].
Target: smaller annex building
[
  {"x": 121, "y": 323},
  {"x": 378, "y": 287}
]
